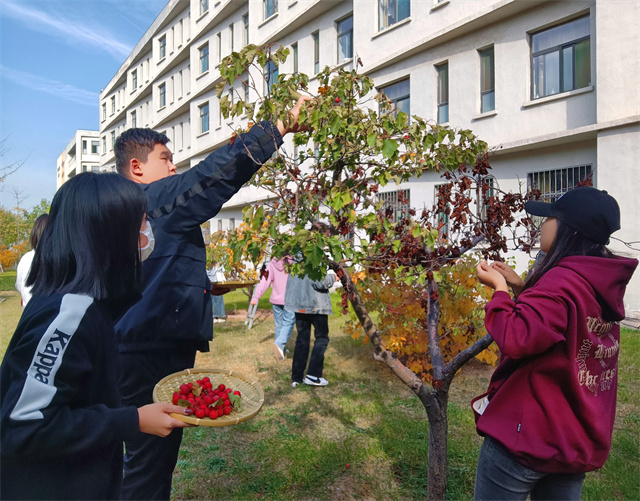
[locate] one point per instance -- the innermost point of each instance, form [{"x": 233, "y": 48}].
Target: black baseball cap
[{"x": 593, "y": 213}]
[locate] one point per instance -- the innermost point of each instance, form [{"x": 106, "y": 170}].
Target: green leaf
[
  {"x": 396, "y": 246},
  {"x": 416, "y": 231},
  {"x": 389, "y": 147},
  {"x": 371, "y": 139}
]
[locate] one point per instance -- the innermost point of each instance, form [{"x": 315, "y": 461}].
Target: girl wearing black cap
[{"x": 548, "y": 414}]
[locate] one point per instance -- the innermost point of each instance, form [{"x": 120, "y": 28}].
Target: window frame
[
  {"x": 95, "y": 147},
  {"x": 204, "y": 115},
  {"x": 492, "y": 90},
  {"x": 383, "y": 10},
  {"x": 203, "y": 58},
  {"x": 340, "y": 35},
  {"x": 560, "y": 50},
  {"x": 315, "y": 36},
  {"x": 265, "y": 9},
  {"x": 134, "y": 79},
  {"x": 400, "y": 98},
  {"x": 391, "y": 199},
  {"x": 441, "y": 104},
  {"x": 162, "y": 47},
  {"x": 204, "y": 7},
  {"x": 162, "y": 95},
  {"x": 245, "y": 29}
]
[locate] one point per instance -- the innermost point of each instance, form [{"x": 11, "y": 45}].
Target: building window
[
  {"x": 163, "y": 46},
  {"x": 219, "y": 39},
  {"x": 484, "y": 198},
  {"x": 487, "y": 80},
  {"x": 95, "y": 147},
  {"x": 232, "y": 223},
  {"x": 245, "y": 29},
  {"x": 162, "y": 89},
  {"x": 245, "y": 86},
  {"x": 113, "y": 138},
  {"x": 441, "y": 191},
  {"x": 345, "y": 39},
  {"x": 85, "y": 168},
  {"x": 392, "y": 11},
  {"x": 204, "y": 118},
  {"x": 104, "y": 111},
  {"x": 561, "y": 58},
  {"x": 270, "y": 76},
  {"x": 270, "y": 8},
  {"x": 316, "y": 52},
  {"x": 294, "y": 49},
  {"x": 134, "y": 79},
  {"x": 104, "y": 144},
  {"x": 555, "y": 183},
  {"x": 396, "y": 201},
  {"x": 84, "y": 147},
  {"x": 204, "y": 59},
  {"x": 113, "y": 104},
  {"x": 134, "y": 121},
  {"x": 204, "y": 6},
  {"x": 219, "y": 224},
  {"x": 400, "y": 96},
  {"x": 443, "y": 93},
  {"x": 179, "y": 84},
  {"x": 231, "y": 36}
]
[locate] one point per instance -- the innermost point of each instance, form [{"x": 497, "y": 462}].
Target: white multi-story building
[
  {"x": 551, "y": 85},
  {"x": 82, "y": 154}
]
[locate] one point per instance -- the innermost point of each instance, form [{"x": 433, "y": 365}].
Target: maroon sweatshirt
[{"x": 552, "y": 398}]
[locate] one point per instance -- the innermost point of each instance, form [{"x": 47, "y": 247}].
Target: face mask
[{"x": 151, "y": 242}]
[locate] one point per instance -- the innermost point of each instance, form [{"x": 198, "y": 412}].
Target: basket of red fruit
[{"x": 214, "y": 397}]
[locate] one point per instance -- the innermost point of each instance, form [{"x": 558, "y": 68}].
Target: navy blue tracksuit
[{"x": 162, "y": 332}]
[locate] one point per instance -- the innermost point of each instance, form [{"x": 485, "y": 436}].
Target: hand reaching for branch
[
  {"x": 293, "y": 114},
  {"x": 513, "y": 279},
  {"x": 491, "y": 277}
]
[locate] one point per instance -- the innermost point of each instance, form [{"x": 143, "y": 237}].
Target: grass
[{"x": 362, "y": 437}]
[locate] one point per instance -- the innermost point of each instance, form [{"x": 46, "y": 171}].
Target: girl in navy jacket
[{"x": 61, "y": 422}]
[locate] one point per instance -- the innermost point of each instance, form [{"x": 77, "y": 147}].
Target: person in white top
[{"x": 24, "y": 265}]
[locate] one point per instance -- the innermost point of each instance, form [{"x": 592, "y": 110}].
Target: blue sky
[{"x": 55, "y": 57}]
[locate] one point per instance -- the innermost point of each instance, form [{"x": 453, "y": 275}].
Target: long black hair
[
  {"x": 567, "y": 242},
  {"x": 90, "y": 244}
]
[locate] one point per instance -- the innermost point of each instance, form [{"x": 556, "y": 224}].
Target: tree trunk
[{"x": 437, "y": 460}]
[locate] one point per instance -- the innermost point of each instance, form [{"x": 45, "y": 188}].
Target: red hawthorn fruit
[
  {"x": 337, "y": 99},
  {"x": 206, "y": 380},
  {"x": 190, "y": 386},
  {"x": 176, "y": 397},
  {"x": 225, "y": 396},
  {"x": 184, "y": 389},
  {"x": 199, "y": 381},
  {"x": 213, "y": 414},
  {"x": 216, "y": 398},
  {"x": 208, "y": 385},
  {"x": 222, "y": 387},
  {"x": 216, "y": 391},
  {"x": 236, "y": 393},
  {"x": 227, "y": 411},
  {"x": 200, "y": 413},
  {"x": 228, "y": 390},
  {"x": 208, "y": 400}
]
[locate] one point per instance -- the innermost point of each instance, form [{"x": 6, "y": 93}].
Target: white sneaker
[
  {"x": 278, "y": 353},
  {"x": 295, "y": 384},
  {"x": 315, "y": 381}
]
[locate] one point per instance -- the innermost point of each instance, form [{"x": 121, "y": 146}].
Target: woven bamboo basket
[
  {"x": 252, "y": 394},
  {"x": 236, "y": 284}
]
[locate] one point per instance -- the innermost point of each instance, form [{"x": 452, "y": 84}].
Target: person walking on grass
[
  {"x": 548, "y": 414},
  {"x": 22, "y": 271},
  {"x": 311, "y": 302},
  {"x": 284, "y": 320}
]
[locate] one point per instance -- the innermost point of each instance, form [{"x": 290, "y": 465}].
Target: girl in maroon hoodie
[{"x": 548, "y": 414}]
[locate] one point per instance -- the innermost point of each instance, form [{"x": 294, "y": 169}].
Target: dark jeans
[
  {"x": 149, "y": 460},
  {"x": 320, "y": 323},
  {"x": 500, "y": 477}
]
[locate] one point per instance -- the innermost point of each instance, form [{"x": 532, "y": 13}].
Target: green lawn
[{"x": 362, "y": 437}]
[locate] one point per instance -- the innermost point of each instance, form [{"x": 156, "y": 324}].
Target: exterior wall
[{"x": 595, "y": 125}]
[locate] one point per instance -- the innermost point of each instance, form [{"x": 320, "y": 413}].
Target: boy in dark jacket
[{"x": 161, "y": 334}]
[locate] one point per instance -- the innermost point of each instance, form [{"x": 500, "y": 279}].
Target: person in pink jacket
[
  {"x": 548, "y": 415},
  {"x": 284, "y": 320}
]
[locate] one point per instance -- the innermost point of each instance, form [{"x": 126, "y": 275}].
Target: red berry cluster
[{"x": 203, "y": 400}]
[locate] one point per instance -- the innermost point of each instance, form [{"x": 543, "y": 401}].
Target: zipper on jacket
[{"x": 519, "y": 426}]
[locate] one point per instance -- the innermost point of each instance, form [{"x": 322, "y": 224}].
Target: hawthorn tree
[{"x": 322, "y": 205}]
